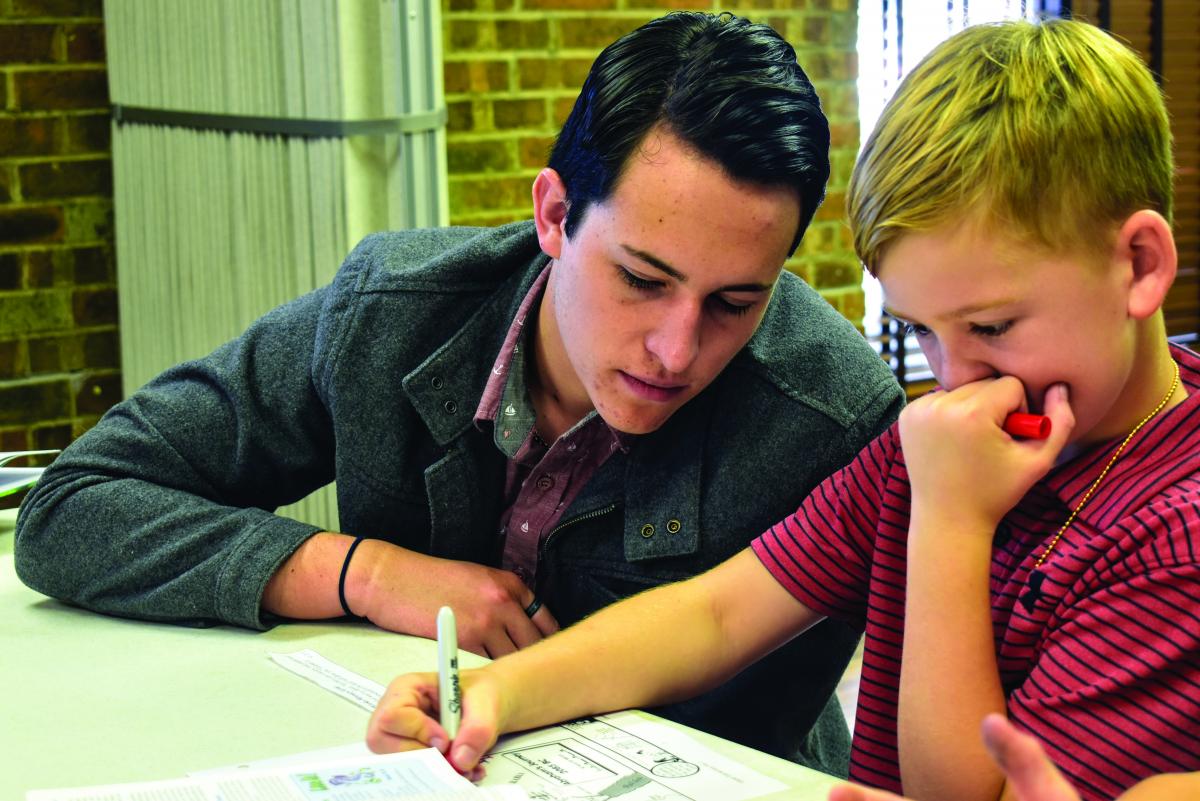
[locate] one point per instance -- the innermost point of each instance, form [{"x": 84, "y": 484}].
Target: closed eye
[
  {"x": 637, "y": 282},
  {"x": 997, "y": 330},
  {"x": 725, "y": 307}
]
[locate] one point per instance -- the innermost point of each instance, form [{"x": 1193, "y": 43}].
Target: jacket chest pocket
[{"x": 463, "y": 507}]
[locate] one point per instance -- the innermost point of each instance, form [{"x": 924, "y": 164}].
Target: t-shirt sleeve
[
  {"x": 823, "y": 552},
  {"x": 1115, "y": 692}
]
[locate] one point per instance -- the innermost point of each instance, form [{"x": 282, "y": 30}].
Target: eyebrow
[
  {"x": 659, "y": 264},
  {"x": 964, "y": 311}
]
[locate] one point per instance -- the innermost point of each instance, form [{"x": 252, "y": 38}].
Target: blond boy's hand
[
  {"x": 406, "y": 719},
  {"x": 960, "y": 460}
]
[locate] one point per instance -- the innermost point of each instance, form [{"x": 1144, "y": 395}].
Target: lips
[{"x": 659, "y": 393}]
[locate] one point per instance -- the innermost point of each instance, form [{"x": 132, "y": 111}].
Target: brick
[
  {"x": 552, "y": 73},
  {"x": 534, "y": 151},
  {"x": 843, "y": 134},
  {"x": 23, "y": 313},
  {"x": 845, "y": 30},
  {"x": 595, "y": 33},
  {"x": 475, "y": 76},
  {"x": 10, "y": 271},
  {"x": 14, "y": 439},
  {"x": 746, "y": 7},
  {"x": 26, "y": 136},
  {"x": 471, "y": 34},
  {"x": 49, "y": 268},
  {"x": 95, "y": 306},
  {"x": 473, "y": 157},
  {"x": 102, "y": 350},
  {"x": 84, "y": 42},
  {"x": 86, "y": 9},
  {"x": 562, "y": 108},
  {"x": 571, "y": 5},
  {"x": 522, "y": 34},
  {"x": 488, "y": 219},
  {"x": 508, "y": 114},
  {"x": 98, "y": 394},
  {"x": 87, "y": 133},
  {"x": 11, "y": 361},
  {"x": 61, "y": 89},
  {"x": 8, "y": 184},
  {"x": 23, "y": 43},
  {"x": 89, "y": 220},
  {"x": 460, "y": 116},
  {"x": 61, "y": 179},
  {"x": 665, "y": 5},
  {"x": 834, "y": 207},
  {"x": 817, "y": 31},
  {"x": 36, "y": 224},
  {"x": 21, "y": 403},
  {"x": 53, "y": 436},
  {"x": 839, "y": 99},
  {"x": 49, "y": 354},
  {"x": 470, "y": 195},
  {"x": 827, "y": 273},
  {"x": 93, "y": 265}
]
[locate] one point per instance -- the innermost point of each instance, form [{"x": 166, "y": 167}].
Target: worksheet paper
[
  {"x": 412, "y": 776},
  {"x": 621, "y": 754}
]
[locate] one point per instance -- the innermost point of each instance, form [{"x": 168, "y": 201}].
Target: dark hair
[{"x": 727, "y": 87}]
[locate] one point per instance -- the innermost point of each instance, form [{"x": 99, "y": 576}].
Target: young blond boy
[{"x": 1015, "y": 203}]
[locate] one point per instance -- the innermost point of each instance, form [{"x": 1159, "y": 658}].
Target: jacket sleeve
[{"x": 164, "y": 510}]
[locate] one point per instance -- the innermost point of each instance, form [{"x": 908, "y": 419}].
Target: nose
[
  {"x": 674, "y": 339},
  {"x": 954, "y": 369}
]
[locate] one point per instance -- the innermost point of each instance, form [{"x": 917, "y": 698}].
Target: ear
[
  {"x": 550, "y": 211},
  {"x": 1145, "y": 243}
]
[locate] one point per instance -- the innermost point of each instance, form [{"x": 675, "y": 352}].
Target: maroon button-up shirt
[{"x": 542, "y": 479}]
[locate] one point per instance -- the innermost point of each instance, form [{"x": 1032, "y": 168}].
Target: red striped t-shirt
[{"x": 1104, "y": 668}]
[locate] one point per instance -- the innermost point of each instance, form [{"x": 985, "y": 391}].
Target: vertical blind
[{"x": 254, "y": 142}]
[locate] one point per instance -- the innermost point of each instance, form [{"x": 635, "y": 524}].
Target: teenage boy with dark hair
[
  {"x": 1014, "y": 201},
  {"x": 519, "y": 437}
]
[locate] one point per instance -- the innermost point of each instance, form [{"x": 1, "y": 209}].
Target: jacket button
[
  {"x": 648, "y": 530},
  {"x": 673, "y": 526},
  {"x": 450, "y": 406},
  {"x": 436, "y": 382},
  {"x": 545, "y": 482}
]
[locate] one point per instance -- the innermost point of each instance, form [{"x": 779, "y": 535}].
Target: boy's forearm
[
  {"x": 949, "y": 679},
  {"x": 667, "y": 644}
]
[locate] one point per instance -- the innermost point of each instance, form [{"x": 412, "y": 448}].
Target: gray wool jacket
[{"x": 164, "y": 510}]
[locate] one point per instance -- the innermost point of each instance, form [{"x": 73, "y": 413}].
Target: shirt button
[
  {"x": 673, "y": 526},
  {"x": 450, "y": 406},
  {"x": 571, "y": 447},
  {"x": 545, "y": 482},
  {"x": 436, "y": 382},
  {"x": 648, "y": 530}
]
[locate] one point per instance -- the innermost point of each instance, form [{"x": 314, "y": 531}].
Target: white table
[{"x": 89, "y": 699}]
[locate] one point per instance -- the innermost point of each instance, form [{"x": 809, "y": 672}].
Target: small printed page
[
  {"x": 354, "y": 687},
  {"x": 412, "y": 776},
  {"x": 621, "y": 754}
]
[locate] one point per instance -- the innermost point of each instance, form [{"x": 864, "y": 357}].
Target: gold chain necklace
[{"x": 1036, "y": 577}]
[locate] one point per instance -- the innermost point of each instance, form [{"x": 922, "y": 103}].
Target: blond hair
[{"x": 1049, "y": 132}]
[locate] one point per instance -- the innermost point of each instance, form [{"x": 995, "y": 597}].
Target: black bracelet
[{"x": 342, "y": 578}]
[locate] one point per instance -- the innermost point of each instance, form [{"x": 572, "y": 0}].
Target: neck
[
  {"x": 558, "y": 395},
  {"x": 1148, "y": 382}
]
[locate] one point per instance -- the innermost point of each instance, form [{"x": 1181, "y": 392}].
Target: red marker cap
[{"x": 1030, "y": 426}]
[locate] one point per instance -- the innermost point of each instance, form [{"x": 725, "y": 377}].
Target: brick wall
[
  {"x": 59, "y": 367},
  {"x": 514, "y": 67}
]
